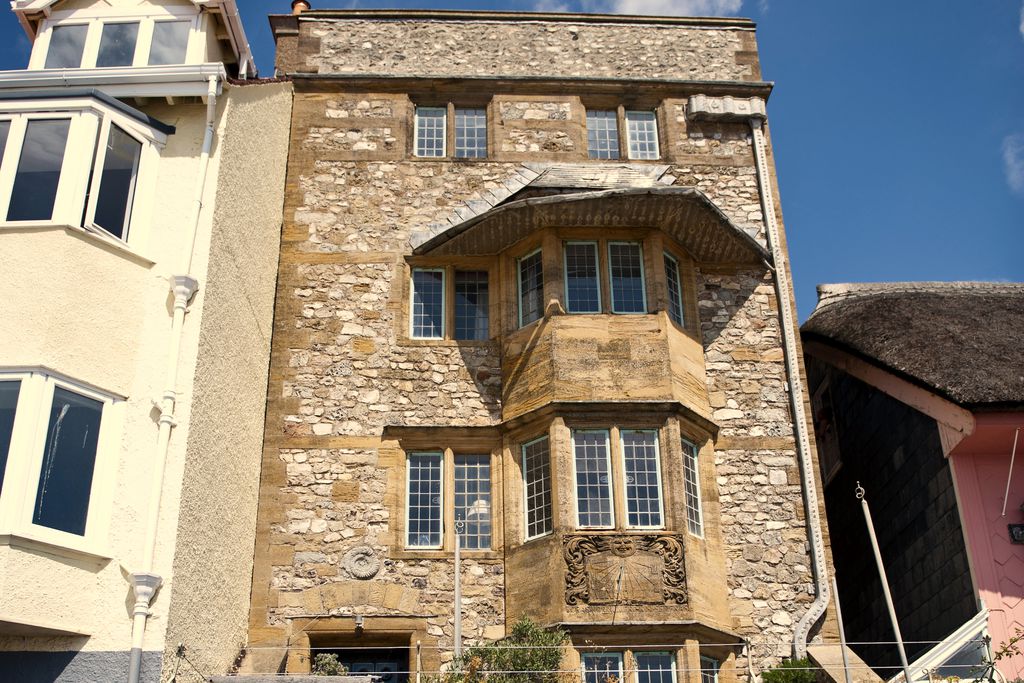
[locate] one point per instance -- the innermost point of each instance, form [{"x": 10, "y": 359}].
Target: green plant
[
  {"x": 791, "y": 671},
  {"x": 529, "y": 654},
  {"x": 326, "y": 664}
]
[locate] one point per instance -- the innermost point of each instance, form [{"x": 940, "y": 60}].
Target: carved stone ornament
[
  {"x": 624, "y": 569},
  {"x": 702, "y": 107},
  {"x": 361, "y": 563}
]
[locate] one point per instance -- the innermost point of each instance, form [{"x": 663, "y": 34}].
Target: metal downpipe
[{"x": 796, "y": 395}]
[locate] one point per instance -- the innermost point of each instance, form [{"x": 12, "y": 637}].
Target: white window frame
[
  {"x": 629, "y": 135},
  {"x": 25, "y": 459},
  {"x": 96, "y": 17},
  {"x": 696, "y": 484},
  {"x": 590, "y": 655},
  {"x": 611, "y": 478},
  {"x": 526, "y": 500},
  {"x": 84, "y": 152},
  {"x": 416, "y": 133},
  {"x": 643, "y": 278},
  {"x": 657, "y": 474},
  {"x": 455, "y": 132},
  {"x": 597, "y": 273},
  {"x": 667, "y": 653},
  {"x": 441, "y": 493},
  {"x": 490, "y": 496},
  {"x": 412, "y": 301}
]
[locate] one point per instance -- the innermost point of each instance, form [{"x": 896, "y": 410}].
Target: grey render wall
[{"x": 895, "y": 453}]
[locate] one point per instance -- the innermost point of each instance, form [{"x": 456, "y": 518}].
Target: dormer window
[{"x": 112, "y": 42}]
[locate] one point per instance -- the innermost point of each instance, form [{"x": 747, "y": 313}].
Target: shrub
[
  {"x": 529, "y": 654},
  {"x": 326, "y": 664},
  {"x": 791, "y": 671}
]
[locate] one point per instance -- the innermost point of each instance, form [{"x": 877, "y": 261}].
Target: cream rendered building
[{"x": 141, "y": 184}]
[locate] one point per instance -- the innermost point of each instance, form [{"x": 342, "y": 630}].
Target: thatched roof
[{"x": 963, "y": 340}]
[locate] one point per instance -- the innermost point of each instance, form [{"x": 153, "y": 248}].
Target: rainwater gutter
[
  {"x": 183, "y": 288},
  {"x": 784, "y": 291}
]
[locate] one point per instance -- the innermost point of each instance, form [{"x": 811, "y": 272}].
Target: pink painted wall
[{"x": 980, "y": 467}]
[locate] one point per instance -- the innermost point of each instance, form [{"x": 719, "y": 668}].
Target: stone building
[
  {"x": 529, "y": 292},
  {"x": 139, "y": 245}
]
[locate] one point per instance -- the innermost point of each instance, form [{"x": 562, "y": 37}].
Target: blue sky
[{"x": 898, "y": 126}]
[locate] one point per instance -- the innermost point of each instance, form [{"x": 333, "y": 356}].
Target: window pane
[
  {"x": 643, "y": 479},
  {"x": 117, "y": 183},
  {"x": 582, "y": 291},
  {"x": 708, "y": 670},
  {"x": 66, "y": 46},
  {"x": 471, "y": 133},
  {"x": 643, "y": 134},
  {"x": 427, "y": 303},
  {"x": 602, "y": 668},
  {"x": 654, "y": 667},
  {"x": 602, "y": 134},
  {"x": 424, "y": 500},
  {"x": 625, "y": 261},
  {"x": 473, "y": 500},
  {"x": 531, "y": 288},
  {"x": 117, "y": 44},
  {"x": 537, "y": 485},
  {"x": 691, "y": 489},
  {"x": 5, "y": 129},
  {"x": 430, "y": 131},
  {"x": 593, "y": 483},
  {"x": 65, "y": 479},
  {"x": 8, "y": 404},
  {"x": 471, "y": 304},
  {"x": 675, "y": 290},
  {"x": 35, "y": 184},
  {"x": 170, "y": 42}
]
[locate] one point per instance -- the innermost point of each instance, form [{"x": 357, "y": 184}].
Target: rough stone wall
[
  {"x": 342, "y": 368},
  {"x": 414, "y": 47}
]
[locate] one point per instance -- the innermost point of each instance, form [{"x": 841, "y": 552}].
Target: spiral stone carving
[{"x": 361, "y": 563}]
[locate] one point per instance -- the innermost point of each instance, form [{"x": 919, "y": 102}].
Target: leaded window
[
  {"x": 582, "y": 287},
  {"x": 470, "y": 133},
  {"x": 602, "y": 134},
  {"x": 675, "y": 289},
  {"x": 655, "y": 667},
  {"x": 471, "y": 305},
  {"x": 473, "y": 500},
  {"x": 626, "y": 270},
  {"x": 430, "y": 131},
  {"x": 537, "y": 487},
  {"x": 642, "y": 134},
  {"x": 643, "y": 478},
  {"x": 593, "y": 478},
  {"x": 691, "y": 489},
  {"x": 428, "y": 303},
  {"x": 424, "y": 500},
  {"x": 531, "y": 288}
]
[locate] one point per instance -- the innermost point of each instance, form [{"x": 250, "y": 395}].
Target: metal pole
[
  {"x": 885, "y": 582},
  {"x": 458, "y": 589},
  {"x": 1009, "y": 475},
  {"x": 842, "y": 632},
  {"x": 419, "y": 660}
]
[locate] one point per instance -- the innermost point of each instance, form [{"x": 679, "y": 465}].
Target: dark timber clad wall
[{"x": 894, "y": 451}]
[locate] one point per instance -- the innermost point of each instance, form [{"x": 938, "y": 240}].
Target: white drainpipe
[
  {"x": 183, "y": 288},
  {"x": 796, "y": 395}
]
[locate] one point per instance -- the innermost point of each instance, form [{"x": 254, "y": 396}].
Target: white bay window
[
  {"x": 79, "y": 163},
  {"x": 57, "y": 446}
]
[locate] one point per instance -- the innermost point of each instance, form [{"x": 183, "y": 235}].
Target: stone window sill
[{"x": 413, "y": 554}]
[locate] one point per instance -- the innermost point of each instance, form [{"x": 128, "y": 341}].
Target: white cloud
[
  {"x": 550, "y": 6},
  {"x": 693, "y": 8},
  {"x": 1022, "y": 20},
  {"x": 1013, "y": 161}
]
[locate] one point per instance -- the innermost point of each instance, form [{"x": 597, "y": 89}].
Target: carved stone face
[{"x": 623, "y": 546}]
